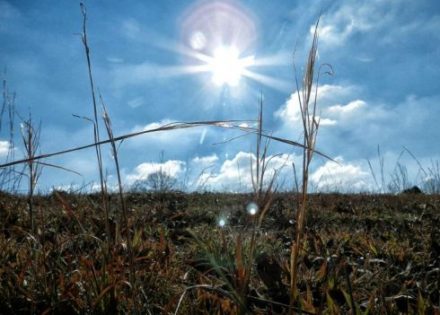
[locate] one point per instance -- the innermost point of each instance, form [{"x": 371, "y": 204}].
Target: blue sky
[{"x": 153, "y": 61}]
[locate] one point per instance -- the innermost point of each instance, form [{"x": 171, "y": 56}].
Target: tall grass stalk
[
  {"x": 10, "y": 177},
  {"x": 381, "y": 187},
  {"x": 261, "y": 191},
  {"x": 307, "y": 98},
  {"x": 96, "y": 135},
  {"x": 124, "y": 213},
  {"x": 31, "y": 141}
]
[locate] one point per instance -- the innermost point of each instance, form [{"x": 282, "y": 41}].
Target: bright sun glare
[
  {"x": 221, "y": 49},
  {"x": 227, "y": 67}
]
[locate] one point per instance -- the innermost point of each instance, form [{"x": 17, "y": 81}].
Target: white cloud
[
  {"x": 205, "y": 161},
  {"x": 327, "y": 122},
  {"x": 4, "y": 148},
  {"x": 344, "y": 111},
  {"x": 328, "y": 96},
  {"x": 235, "y": 174},
  {"x": 353, "y": 126},
  {"x": 336, "y": 27},
  {"x": 173, "y": 168},
  {"x": 388, "y": 19},
  {"x": 331, "y": 35},
  {"x": 230, "y": 176},
  {"x": 345, "y": 177}
]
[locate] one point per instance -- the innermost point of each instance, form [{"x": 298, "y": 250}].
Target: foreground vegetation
[{"x": 191, "y": 254}]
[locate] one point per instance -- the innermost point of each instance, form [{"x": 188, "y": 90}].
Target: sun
[{"x": 227, "y": 67}]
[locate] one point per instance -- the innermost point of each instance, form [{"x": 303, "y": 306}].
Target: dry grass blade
[
  {"x": 109, "y": 129},
  {"x": 31, "y": 142},
  {"x": 96, "y": 136},
  {"x": 310, "y": 122},
  {"x": 58, "y": 167},
  {"x": 229, "y": 124},
  {"x": 297, "y": 144},
  {"x": 9, "y": 181}
]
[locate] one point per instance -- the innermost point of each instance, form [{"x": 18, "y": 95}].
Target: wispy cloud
[
  {"x": 387, "y": 20},
  {"x": 136, "y": 102},
  {"x": 131, "y": 28},
  {"x": 348, "y": 19}
]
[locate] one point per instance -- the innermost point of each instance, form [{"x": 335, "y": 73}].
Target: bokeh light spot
[
  {"x": 252, "y": 208},
  {"x": 222, "y": 222}
]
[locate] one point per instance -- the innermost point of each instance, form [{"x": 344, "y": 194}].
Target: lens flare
[
  {"x": 252, "y": 208},
  {"x": 218, "y": 38},
  {"x": 217, "y": 23},
  {"x": 198, "y": 40},
  {"x": 222, "y": 222}
]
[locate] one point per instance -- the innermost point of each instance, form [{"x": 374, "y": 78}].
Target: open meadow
[
  {"x": 190, "y": 252},
  {"x": 276, "y": 195}
]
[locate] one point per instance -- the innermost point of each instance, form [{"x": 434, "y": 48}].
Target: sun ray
[
  {"x": 277, "y": 84},
  {"x": 280, "y": 59}
]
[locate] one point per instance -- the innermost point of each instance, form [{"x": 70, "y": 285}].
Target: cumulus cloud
[
  {"x": 209, "y": 173},
  {"x": 173, "y": 168},
  {"x": 327, "y": 121},
  {"x": 353, "y": 125},
  {"x": 346, "y": 109},
  {"x": 341, "y": 176},
  {"x": 234, "y": 174},
  {"x": 328, "y": 97},
  {"x": 205, "y": 161}
]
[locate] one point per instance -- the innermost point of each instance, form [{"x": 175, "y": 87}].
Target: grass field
[{"x": 379, "y": 252}]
